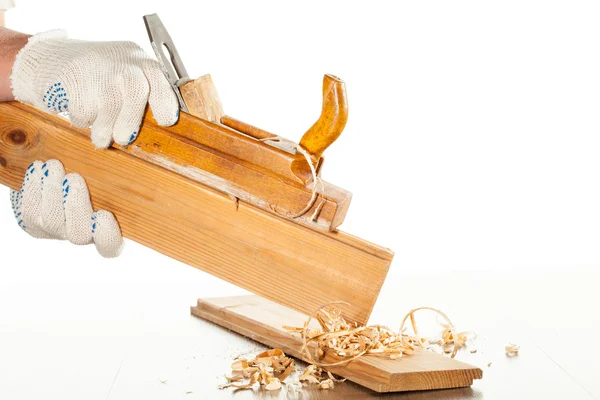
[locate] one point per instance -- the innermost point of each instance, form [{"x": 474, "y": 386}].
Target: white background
[{"x": 472, "y": 145}]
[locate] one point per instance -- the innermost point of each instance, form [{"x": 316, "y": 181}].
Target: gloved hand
[
  {"x": 105, "y": 85},
  {"x": 51, "y": 205}
]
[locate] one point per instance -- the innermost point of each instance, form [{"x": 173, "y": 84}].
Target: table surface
[{"x": 61, "y": 349}]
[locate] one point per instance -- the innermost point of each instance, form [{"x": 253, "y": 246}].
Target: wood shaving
[
  {"x": 341, "y": 342},
  {"x": 451, "y": 341},
  {"x": 326, "y": 384},
  {"x": 274, "y": 385},
  {"x": 512, "y": 350},
  {"x": 345, "y": 342},
  {"x": 268, "y": 369},
  {"x": 317, "y": 375}
]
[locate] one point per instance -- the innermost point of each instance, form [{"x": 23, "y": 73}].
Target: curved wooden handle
[{"x": 333, "y": 118}]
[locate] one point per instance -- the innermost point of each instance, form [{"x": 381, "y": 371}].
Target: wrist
[
  {"x": 11, "y": 43},
  {"x": 29, "y": 70}
]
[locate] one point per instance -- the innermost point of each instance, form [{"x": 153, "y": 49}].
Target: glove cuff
[{"x": 27, "y": 73}]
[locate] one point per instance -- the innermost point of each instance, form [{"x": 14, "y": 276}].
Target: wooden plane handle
[
  {"x": 333, "y": 118},
  {"x": 202, "y": 99}
]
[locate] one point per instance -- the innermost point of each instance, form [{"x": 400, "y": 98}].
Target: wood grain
[
  {"x": 332, "y": 121},
  {"x": 262, "y": 320},
  {"x": 252, "y": 171},
  {"x": 184, "y": 219},
  {"x": 202, "y": 99}
]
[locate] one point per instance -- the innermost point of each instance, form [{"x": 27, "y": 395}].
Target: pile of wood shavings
[
  {"x": 268, "y": 369},
  {"x": 272, "y": 367},
  {"x": 345, "y": 342}
]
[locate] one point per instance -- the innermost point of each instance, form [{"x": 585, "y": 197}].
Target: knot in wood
[
  {"x": 2, "y": 162},
  {"x": 17, "y": 136}
]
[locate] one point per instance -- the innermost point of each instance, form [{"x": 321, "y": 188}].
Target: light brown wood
[
  {"x": 184, "y": 219},
  {"x": 202, "y": 99},
  {"x": 262, "y": 320}
]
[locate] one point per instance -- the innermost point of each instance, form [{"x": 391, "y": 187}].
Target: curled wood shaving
[
  {"x": 512, "y": 350},
  {"x": 449, "y": 328},
  {"x": 345, "y": 341}
]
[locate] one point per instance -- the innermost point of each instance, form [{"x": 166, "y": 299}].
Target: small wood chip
[
  {"x": 512, "y": 350},
  {"x": 274, "y": 385},
  {"x": 326, "y": 384},
  {"x": 240, "y": 365}
]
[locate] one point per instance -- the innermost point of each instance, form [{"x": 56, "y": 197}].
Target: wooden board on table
[
  {"x": 183, "y": 219},
  {"x": 262, "y": 320}
]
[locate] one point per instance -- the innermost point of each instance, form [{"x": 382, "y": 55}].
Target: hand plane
[{"x": 245, "y": 162}]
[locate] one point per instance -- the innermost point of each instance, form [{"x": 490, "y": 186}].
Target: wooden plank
[
  {"x": 262, "y": 320},
  {"x": 192, "y": 223}
]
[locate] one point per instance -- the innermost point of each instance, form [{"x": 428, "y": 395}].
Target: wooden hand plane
[{"x": 243, "y": 161}]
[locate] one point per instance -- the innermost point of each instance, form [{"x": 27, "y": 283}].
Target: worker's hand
[
  {"x": 105, "y": 85},
  {"x": 51, "y": 205}
]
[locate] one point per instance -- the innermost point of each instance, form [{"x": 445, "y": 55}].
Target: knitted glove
[
  {"x": 51, "y": 205},
  {"x": 105, "y": 85}
]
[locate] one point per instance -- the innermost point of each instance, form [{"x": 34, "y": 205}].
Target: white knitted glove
[
  {"x": 105, "y": 85},
  {"x": 51, "y": 205}
]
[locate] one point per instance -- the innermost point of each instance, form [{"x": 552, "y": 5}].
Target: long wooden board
[
  {"x": 288, "y": 263},
  {"x": 262, "y": 320}
]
